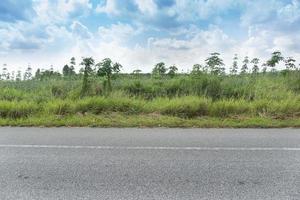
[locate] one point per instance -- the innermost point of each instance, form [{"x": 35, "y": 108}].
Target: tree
[
  {"x": 73, "y": 61},
  {"x": 198, "y": 69},
  {"x": 159, "y": 69},
  {"x": 66, "y": 70},
  {"x": 275, "y": 59},
  {"x": 19, "y": 75},
  {"x": 4, "y": 75},
  {"x": 136, "y": 71},
  {"x": 71, "y": 71},
  {"x": 49, "y": 74},
  {"x": 38, "y": 74},
  {"x": 234, "y": 68},
  {"x": 290, "y": 63},
  {"x": 88, "y": 64},
  {"x": 264, "y": 69},
  {"x": 12, "y": 77},
  {"x": 172, "y": 71},
  {"x": 28, "y": 73},
  {"x": 107, "y": 68},
  {"x": 51, "y": 68},
  {"x": 244, "y": 68},
  {"x": 215, "y": 64},
  {"x": 255, "y": 68}
]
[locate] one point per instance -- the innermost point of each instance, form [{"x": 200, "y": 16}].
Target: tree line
[{"x": 214, "y": 65}]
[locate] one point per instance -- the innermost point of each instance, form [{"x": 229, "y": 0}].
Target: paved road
[{"x": 149, "y": 164}]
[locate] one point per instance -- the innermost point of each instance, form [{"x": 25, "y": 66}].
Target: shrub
[
  {"x": 59, "y": 91},
  {"x": 136, "y": 88},
  {"x": 226, "y": 108},
  {"x": 106, "y": 104},
  {"x": 11, "y": 94},
  {"x": 237, "y": 87},
  {"x": 59, "y": 107},
  {"x": 15, "y": 109},
  {"x": 94, "y": 105},
  {"x": 182, "y": 107},
  {"x": 261, "y": 107},
  {"x": 213, "y": 88},
  {"x": 294, "y": 81}
]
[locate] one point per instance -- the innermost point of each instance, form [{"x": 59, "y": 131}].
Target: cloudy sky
[{"x": 140, "y": 33}]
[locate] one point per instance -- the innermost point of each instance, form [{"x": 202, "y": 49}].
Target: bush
[
  {"x": 15, "y": 109},
  {"x": 294, "y": 81},
  {"x": 226, "y": 108},
  {"x": 10, "y": 94},
  {"x": 59, "y": 107},
  {"x": 94, "y": 105},
  {"x": 213, "y": 88},
  {"x": 59, "y": 91},
  {"x": 287, "y": 108},
  {"x": 237, "y": 87},
  {"x": 98, "y": 105},
  {"x": 182, "y": 107}
]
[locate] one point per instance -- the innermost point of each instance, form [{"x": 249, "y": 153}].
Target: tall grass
[
  {"x": 275, "y": 96},
  {"x": 185, "y": 107},
  {"x": 14, "y": 109}
]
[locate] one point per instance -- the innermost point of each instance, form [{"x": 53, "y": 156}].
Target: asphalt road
[{"x": 83, "y": 163}]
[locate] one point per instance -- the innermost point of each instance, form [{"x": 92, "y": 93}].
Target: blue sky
[{"x": 140, "y": 33}]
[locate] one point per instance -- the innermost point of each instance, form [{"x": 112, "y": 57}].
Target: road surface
[{"x": 84, "y": 163}]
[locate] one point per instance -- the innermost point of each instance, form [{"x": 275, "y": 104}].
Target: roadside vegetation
[{"x": 251, "y": 94}]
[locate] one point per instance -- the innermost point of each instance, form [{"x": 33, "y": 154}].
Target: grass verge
[{"x": 148, "y": 120}]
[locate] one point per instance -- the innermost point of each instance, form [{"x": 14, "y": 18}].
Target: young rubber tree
[
  {"x": 264, "y": 68},
  {"x": 136, "y": 73},
  {"x": 88, "y": 64},
  {"x": 290, "y": 63},
  {"x": 198, "y": 70},
  {"x": 19, "y": 75},
  {"x": 69, "y": 70},
  {"x": 107, "y": 68},
  {"x": 12, "y": 76},
  {"x": 234, "y": 68},
  {"x": 28, "y": 73},
  {"x": 244, "y": 68},
  {"x": 275, "y": 59},
  {"x": 215, "y": 64},
  {"x": 4, "y": 74},
  {"x": 159, "y": 69},
  {"x": 73, "y": 61},
  {"x": 172, "y": 71},
  {"x": 37, "y": 75},
  {"x": 66, "y": 70},
  {"x": 72, "y": 67},
  {"x": 255, "y": 68}
]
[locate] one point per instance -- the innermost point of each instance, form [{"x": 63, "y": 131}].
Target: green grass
[
  {"x": 151, "y": 120},
  {"x": 268, "y": 100},
  {"x": 184, "y": 107}
]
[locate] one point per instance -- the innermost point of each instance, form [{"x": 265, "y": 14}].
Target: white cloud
[
  {"x": 117, "y": 32},
  {"x": 201, "y": 9},
  {"x": 181, "y": 52},
  {"x": 147, "y": 6},
  {"x": 61, "y": 11},
  {"x": 290, "y": 12},
  {"x": 81, "y": 31},
  {"x": 259, "y": 12},
  {"x": 108, "y": 7},
  {"x": 289, "y": 43}
]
